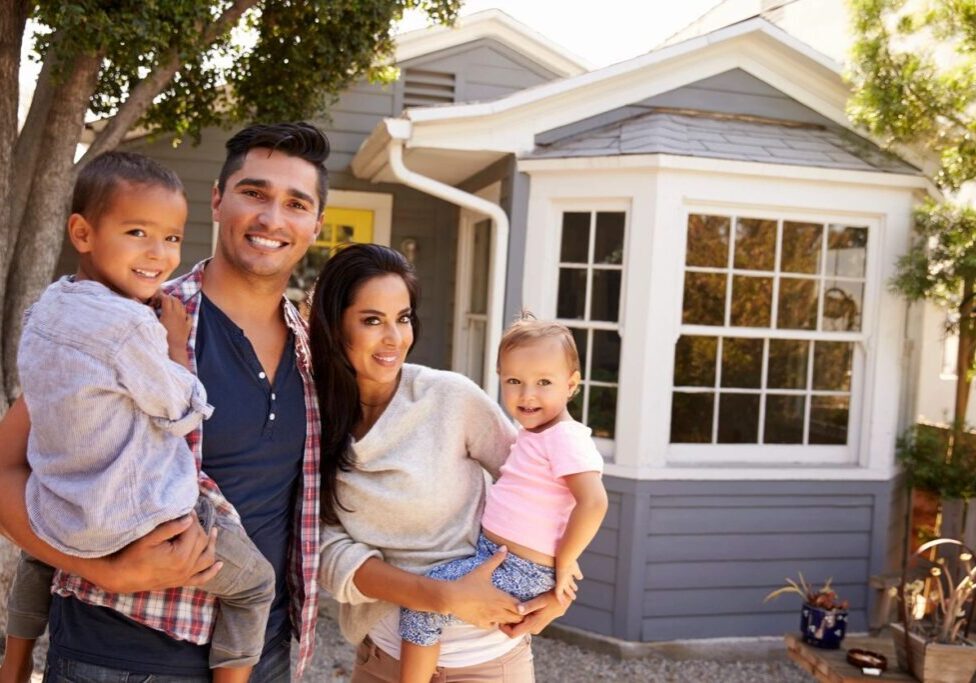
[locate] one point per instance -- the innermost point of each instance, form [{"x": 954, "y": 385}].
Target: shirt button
[
  {"x": 273, "y": 397},
  {"x": 262, "y": 375},
  {"x": 271, "y": 416}
]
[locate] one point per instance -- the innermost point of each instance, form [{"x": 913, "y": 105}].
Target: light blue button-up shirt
[{"x": 109, "y": 411}]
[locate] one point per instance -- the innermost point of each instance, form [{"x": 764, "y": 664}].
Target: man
[{"x": 259, "y": 451}]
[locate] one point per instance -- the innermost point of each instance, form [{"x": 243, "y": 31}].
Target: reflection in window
[
  {"x": 591, "y": 257},
  {"x": 754, "y": 363}
]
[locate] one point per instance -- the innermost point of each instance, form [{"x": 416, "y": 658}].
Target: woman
[{"x": 405, "y": 450}]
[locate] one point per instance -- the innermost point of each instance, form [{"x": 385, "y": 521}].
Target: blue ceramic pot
[{"x": 821, "y": 627}]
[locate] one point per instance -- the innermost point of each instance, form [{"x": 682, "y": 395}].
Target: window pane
[
  {"x": 708, "y": 241},
  {"x": 787, "y": 366},
  {"x": 751, "y": 301},
  {"x": 738, "y": 418},
  {"x": 609, "y": 246},
  {"x": 605, "y": 304},
  {"x": 704, "y": 299},
  {"x": 832, "y": 366},
  {"x": 576, "y": 238},
  {"x": 602, "y": 411},
  {"x": 571, "y": 300},
  {"x": 575, "y": 406},
  {"x": 784, "y": 419},
  {"x": 606, "y": 356},
  {"x": 579, "y": 336},
  {"x": 842, "y": 306},
  {"x": 755, "y": 244},
  {"x": 694, "y": 361},
  {"x": 846, "y": 251},
  {"x": 742, "y": 363},
  {"x": 828, "y": 419},
  {"x": 691, "y": 417},
  {"x": 802, "y": 243},
  {"x": 797, "y": 306}
]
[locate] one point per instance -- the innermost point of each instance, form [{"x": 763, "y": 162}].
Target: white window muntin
[
  {"x": 780, "y": 454},
  {"x": 557, "y": 208}
]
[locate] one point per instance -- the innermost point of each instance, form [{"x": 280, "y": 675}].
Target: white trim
[
  {"x": 752, "y": 471},
  {"x": 725, "y": 166},
  {"x": 380, "y": 203},
  {"x": 491, "y": 23}
]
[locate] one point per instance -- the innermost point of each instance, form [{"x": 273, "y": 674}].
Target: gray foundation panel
[{"x": 680, "y": 559}]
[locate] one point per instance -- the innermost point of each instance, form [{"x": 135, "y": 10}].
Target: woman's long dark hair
[{"x": 335, "y": 379}]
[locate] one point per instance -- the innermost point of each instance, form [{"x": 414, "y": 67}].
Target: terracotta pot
[{"x": 934, "y": 662}]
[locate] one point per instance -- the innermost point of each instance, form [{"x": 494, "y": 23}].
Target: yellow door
[{"x": 340, "y": 226}]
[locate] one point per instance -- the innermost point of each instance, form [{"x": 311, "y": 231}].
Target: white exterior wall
[{"x": 657, "y": 198}]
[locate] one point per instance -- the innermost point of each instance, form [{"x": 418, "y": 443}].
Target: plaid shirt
[{"x": 188, "y": 613}]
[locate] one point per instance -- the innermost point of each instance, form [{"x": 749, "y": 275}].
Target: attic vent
[{"x": 424, "y": 88}]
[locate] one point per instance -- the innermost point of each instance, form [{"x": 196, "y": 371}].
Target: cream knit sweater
[{"x": 417, "y": 491}]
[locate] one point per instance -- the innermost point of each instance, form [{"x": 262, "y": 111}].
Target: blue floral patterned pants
[{"x": 516, "y": 576}]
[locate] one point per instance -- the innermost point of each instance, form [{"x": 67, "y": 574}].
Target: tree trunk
[
  {"x": 13, "y": 19},
  {"x": 42, "y": 229},
  {"x": 964, "y": 363}
]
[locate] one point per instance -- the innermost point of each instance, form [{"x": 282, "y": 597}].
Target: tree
[
  {"x": 906, "y": 94},
  {"x": 166, "y": 66}
]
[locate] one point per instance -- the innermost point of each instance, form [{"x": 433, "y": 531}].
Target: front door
[{"x": 471, "y": 297}]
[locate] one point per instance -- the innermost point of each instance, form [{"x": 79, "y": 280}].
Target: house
[{"x": 718, "y": 238}]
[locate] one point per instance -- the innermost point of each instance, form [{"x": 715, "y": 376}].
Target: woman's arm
[
  {"x": 177, "y": 553},
  {"x": 472, "y": 598}
]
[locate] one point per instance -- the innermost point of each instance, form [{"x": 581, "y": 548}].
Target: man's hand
[
  {"x": 566, "y": 578},
  {"x": 540, "y": 611},
  {"x": 176, "y": 553},
  {"x": 474, "y": 599}
]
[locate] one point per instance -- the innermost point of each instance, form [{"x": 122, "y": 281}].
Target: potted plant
[
  {"x": 932, "y": 641},
  {"x": 823, "y": 616}
]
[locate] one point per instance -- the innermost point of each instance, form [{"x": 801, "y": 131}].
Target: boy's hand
[
  {"x": 174, "y": 318},
  {"x": 566, "y": 577}
]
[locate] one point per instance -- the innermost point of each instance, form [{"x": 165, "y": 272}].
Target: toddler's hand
[
  {"x": 566, "y": 577},
  {"x": 174, "y": 318}
]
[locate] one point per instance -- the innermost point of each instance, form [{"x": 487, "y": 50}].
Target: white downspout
[{"x": 499, "y": 242}]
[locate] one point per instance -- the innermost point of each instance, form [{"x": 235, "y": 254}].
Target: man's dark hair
[
  {"x": 100, "y": 178},
  {"x": 302, "y": 140}
]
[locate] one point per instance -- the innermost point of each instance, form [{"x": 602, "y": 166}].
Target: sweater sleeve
[
  {"x": 489, "y": 434},
  {"x": 341, "y": 558}
]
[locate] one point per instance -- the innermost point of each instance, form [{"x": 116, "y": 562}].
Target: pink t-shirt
[{"x": 530, "y": 503}]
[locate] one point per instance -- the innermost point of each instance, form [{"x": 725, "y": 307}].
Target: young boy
[
  {"x": 111, "y": 397},
  {"x": 549, "y": 501}
]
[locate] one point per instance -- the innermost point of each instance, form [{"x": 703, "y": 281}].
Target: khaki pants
[{"x": 373, "y": 665}]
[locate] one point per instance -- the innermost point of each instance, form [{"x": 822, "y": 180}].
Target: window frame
[
  {"x": 593, "y": 206},
  {"x": 680, "y": 454}
]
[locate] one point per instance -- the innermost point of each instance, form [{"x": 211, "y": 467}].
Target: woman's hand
[
  {"x": 540, "y": 611},
  {"x": 176, "y": 553},
  {"x": 474, "y": 599}
]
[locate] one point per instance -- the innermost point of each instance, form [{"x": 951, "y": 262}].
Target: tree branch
[{"x": 147, "y": 89}]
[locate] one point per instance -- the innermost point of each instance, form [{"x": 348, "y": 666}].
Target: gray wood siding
[
  {"x": 682, "y": 559},
  {"x": 484, "y": 69}
]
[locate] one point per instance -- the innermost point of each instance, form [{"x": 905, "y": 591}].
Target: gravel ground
[{"x": 558, "y": 662}]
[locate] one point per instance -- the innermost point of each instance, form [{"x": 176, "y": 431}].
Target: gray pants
[{"x": 245, "y": 586}]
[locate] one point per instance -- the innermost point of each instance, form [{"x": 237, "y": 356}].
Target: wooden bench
[{"x": 830, "y": 666}]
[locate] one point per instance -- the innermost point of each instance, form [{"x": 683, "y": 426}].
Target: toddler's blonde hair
[{"x": 527, "y": 329}]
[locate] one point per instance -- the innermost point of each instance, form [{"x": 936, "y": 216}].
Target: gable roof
[
  {"x": 497, "y": 25},
  {"x": 510, "y": 124}
]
